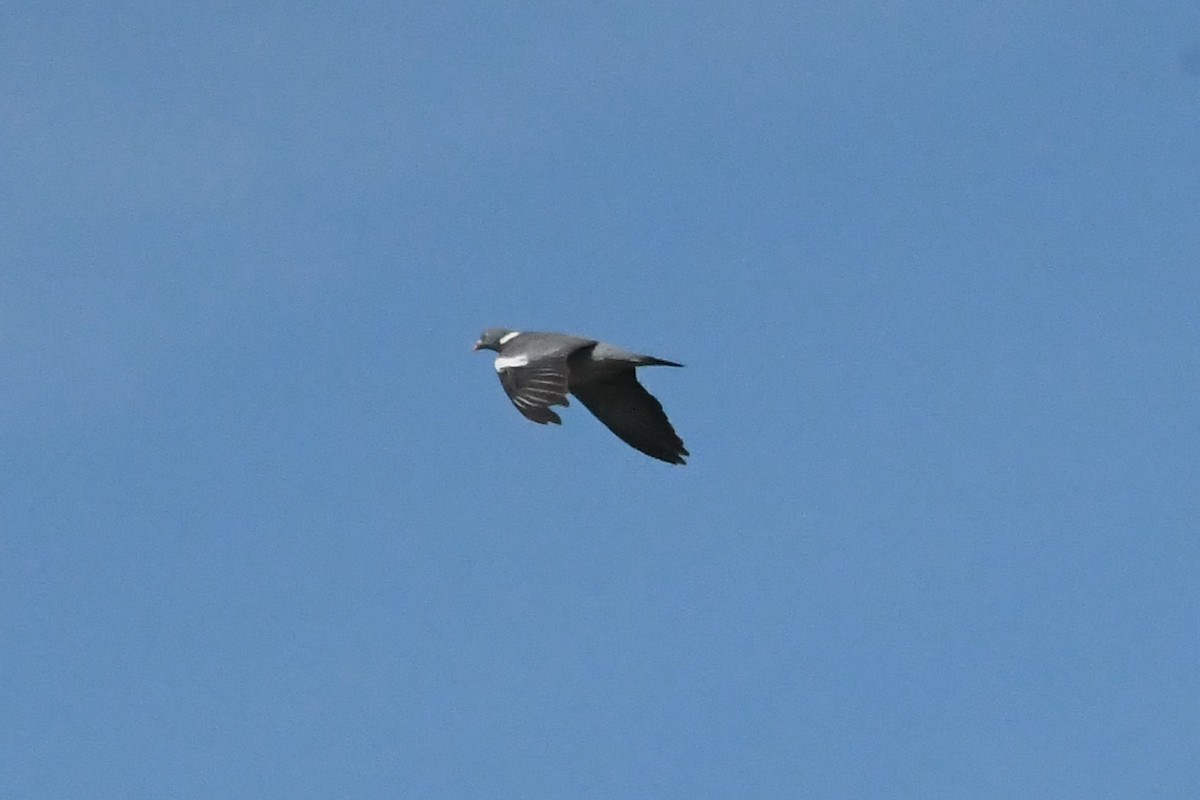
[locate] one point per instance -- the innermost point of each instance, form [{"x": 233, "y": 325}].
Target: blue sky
[{"x": 269, "y": 529}]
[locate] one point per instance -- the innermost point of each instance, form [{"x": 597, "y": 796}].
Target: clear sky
[{"x": 268, "y": 528}]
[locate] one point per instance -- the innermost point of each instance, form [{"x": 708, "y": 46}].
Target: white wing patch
[
  {"x": 508, "y": 337},
  {"x": 503, "y": 363}
]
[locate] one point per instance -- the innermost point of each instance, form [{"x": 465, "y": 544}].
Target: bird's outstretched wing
[
  {"x": 533, "y": 388},
  {"x": 632, "y": 413}
]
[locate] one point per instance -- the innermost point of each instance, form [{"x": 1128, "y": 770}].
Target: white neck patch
[
  {"x": 508, "y": 337},
  {"x": 503, "y": 363}
]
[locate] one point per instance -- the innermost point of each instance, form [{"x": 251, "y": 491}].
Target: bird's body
[{"x": 538, "y": 370}]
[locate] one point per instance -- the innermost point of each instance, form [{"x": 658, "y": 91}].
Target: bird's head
[{"x": 490, "y": 339}]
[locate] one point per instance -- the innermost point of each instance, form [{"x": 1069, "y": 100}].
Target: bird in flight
[{"x": 537, "y": 370}]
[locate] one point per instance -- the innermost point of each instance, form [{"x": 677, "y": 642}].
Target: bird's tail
[{"x": 651, "y": 361}]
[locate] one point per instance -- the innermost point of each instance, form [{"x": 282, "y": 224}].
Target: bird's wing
[
  {"x": 534, "y": 387},
  {"x": 632, "y": 413}
]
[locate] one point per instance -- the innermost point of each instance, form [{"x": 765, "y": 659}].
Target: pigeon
[{"x": 537, "y": 370}]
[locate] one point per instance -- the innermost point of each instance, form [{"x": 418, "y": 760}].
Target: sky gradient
[{"x": 268, "y": 527}]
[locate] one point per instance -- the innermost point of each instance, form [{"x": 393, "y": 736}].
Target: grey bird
[{"x": 537, "y": 370}]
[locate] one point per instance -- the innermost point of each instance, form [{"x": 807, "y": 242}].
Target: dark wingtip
[{"x": 679, "y": 456}]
